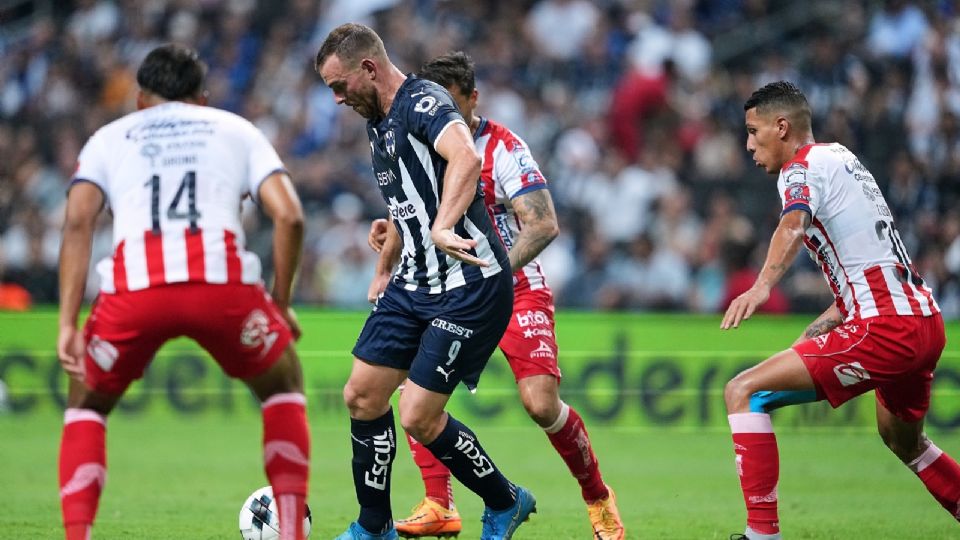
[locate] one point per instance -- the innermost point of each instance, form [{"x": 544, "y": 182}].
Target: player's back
[
  {"x": 852, "y": 235},
  {"x": 174, "y": 176}
]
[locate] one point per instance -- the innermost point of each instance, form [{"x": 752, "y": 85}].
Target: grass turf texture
[{"x": 665, "y": 449}]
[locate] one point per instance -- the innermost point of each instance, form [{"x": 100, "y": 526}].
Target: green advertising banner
[{"x": 631, "y": 371}]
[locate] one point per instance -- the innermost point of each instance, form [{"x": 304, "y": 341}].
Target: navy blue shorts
[{"x": 442, "y": 339}]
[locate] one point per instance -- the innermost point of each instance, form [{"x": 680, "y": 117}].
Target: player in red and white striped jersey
[
  {"x": 520, "y": 205},
  {"x": 173, "y": 175},
  {"x": 883, "y": 333}
]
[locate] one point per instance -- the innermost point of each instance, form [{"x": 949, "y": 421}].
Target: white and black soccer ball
[{"x": 259, "y": 519}]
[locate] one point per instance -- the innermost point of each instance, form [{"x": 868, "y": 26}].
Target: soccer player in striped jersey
[
  {"x": 517, "y": 197},
  {"x": 173, "y": 175},
  {"x": 447, "y": 303},
  {"x": 883, "y": 333}
]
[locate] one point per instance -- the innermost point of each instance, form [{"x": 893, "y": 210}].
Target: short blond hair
[{"x": 351, "y": 42}]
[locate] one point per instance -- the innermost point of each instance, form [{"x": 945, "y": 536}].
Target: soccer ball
[{"x": 259, "y": 519}]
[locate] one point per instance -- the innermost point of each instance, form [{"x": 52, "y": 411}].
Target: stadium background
[{"x": 634, "y": 112}]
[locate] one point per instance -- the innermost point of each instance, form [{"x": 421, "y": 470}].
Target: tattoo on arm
[
  {"x": 538, "y": 227},
  {"x": 821, "y": 326}
]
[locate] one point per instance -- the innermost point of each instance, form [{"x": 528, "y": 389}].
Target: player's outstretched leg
[
  {"x": 937, "y": 470},
  {"x": 568, "y": 435},
  {"x": 436, "y": 514},
  {"x": 83, "y": 470}
]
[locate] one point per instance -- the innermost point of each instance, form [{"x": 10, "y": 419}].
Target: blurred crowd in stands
[{"x": 633, "y": 109}]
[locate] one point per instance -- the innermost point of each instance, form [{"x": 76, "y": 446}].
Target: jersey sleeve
[
  {"x": 515, "y": 169},
  {"x": 801, "y": 188},
  {"x": 92, "y": 163},
  {"x": 430, "y": 111},
  {"x": 262, "y": 160}
]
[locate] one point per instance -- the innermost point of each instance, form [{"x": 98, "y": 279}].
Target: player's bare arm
[
  {"x": 84, "y": 202},
  {"x": 459, "y": 189},
  {"x": 386, "y": 262},
  {"x": 281, "y": 203},
  {"x": 827, "y": 321},
  {"x": 538, "y": 218},
  {"x": 784, "y": 246}
]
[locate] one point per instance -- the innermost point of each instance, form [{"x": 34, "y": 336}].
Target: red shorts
[
  {"x": 529, "y": 342},
  {"x": 239, "y": 325},
  {"x": 894, "y": 355}
]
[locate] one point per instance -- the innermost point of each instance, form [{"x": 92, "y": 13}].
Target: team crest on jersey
[
  {"x": 103, "y": 352},
  {"x": 256, "y": 331},
  {"x": 390, "y": 143},
  {"x": 851, "y": 374}
]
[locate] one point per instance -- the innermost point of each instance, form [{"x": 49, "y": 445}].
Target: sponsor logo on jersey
[
  {"x": 532, "y": 317},
  {"x": 427, "y": 104},
  {"x": 533, "y": 332},
  {"x": 103, "y": 352},
  {"x": 454, "y": 329},
  {"x": 385, "y": 178},
  {"x": 502, "y": 221},
  {"x": 821, "y": 340},
  {"x": 543, "y": 351},
  {"x": 851, "y": 374},
  {"x": 403, "y": 211},
  {"x": 446, "y": 374}
]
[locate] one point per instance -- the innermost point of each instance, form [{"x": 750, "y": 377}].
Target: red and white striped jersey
[
  {"x": 851, "y": 235},
  {"x": 174, "y": 176},
  {"x": 509, "y": 171}
]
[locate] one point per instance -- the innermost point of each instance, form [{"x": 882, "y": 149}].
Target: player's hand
[
  {"x": 378, "y": 234},
  {"x": 744, "y": 306},
  {"x": 291, "y": 317},
  {"x": 377, "y": 286},
  {"x": 71, "y": 352},
  {"x": 456, "y": 246}
]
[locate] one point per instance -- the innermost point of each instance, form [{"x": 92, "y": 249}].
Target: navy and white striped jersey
[{"x": 410, "y": 172}]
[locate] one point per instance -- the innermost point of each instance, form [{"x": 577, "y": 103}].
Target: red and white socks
[
  {"x": 758, "y": 465},
  {"x": 941, "y": 475},
  {"x": 83, "y": 470},
  {"x": 436, "y": 476},
  {"x": 569, "y": 437},
  {"x": 286, "y": 458}
]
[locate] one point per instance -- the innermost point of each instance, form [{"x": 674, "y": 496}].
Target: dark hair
[
  {"x": 350, "y": 42},
  {"x": 173, "y": 72},
  {"x": 451, "y": 69},
  {"x": 781, "y": 96}
]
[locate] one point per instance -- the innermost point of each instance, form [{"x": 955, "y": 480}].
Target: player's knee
[
  {"x": 542, "y": 409},
  {"x": 362, "y": 403},
  {"x": 737, "y": 394},
  {"x": 422, "y": 427},
  {"x": 906, "y": 448}
]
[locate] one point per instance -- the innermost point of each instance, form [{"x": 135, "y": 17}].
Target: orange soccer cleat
[
  {"x": 605, "y": 518},
  {"x": 430, "y": 518}
]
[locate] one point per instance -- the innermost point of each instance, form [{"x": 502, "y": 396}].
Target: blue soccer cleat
[
  {"x": 356, "y": 532},
  {"x": 501, "y": 525}
]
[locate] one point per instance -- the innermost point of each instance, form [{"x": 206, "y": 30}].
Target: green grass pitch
[{"x": 184, "y": 451}]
